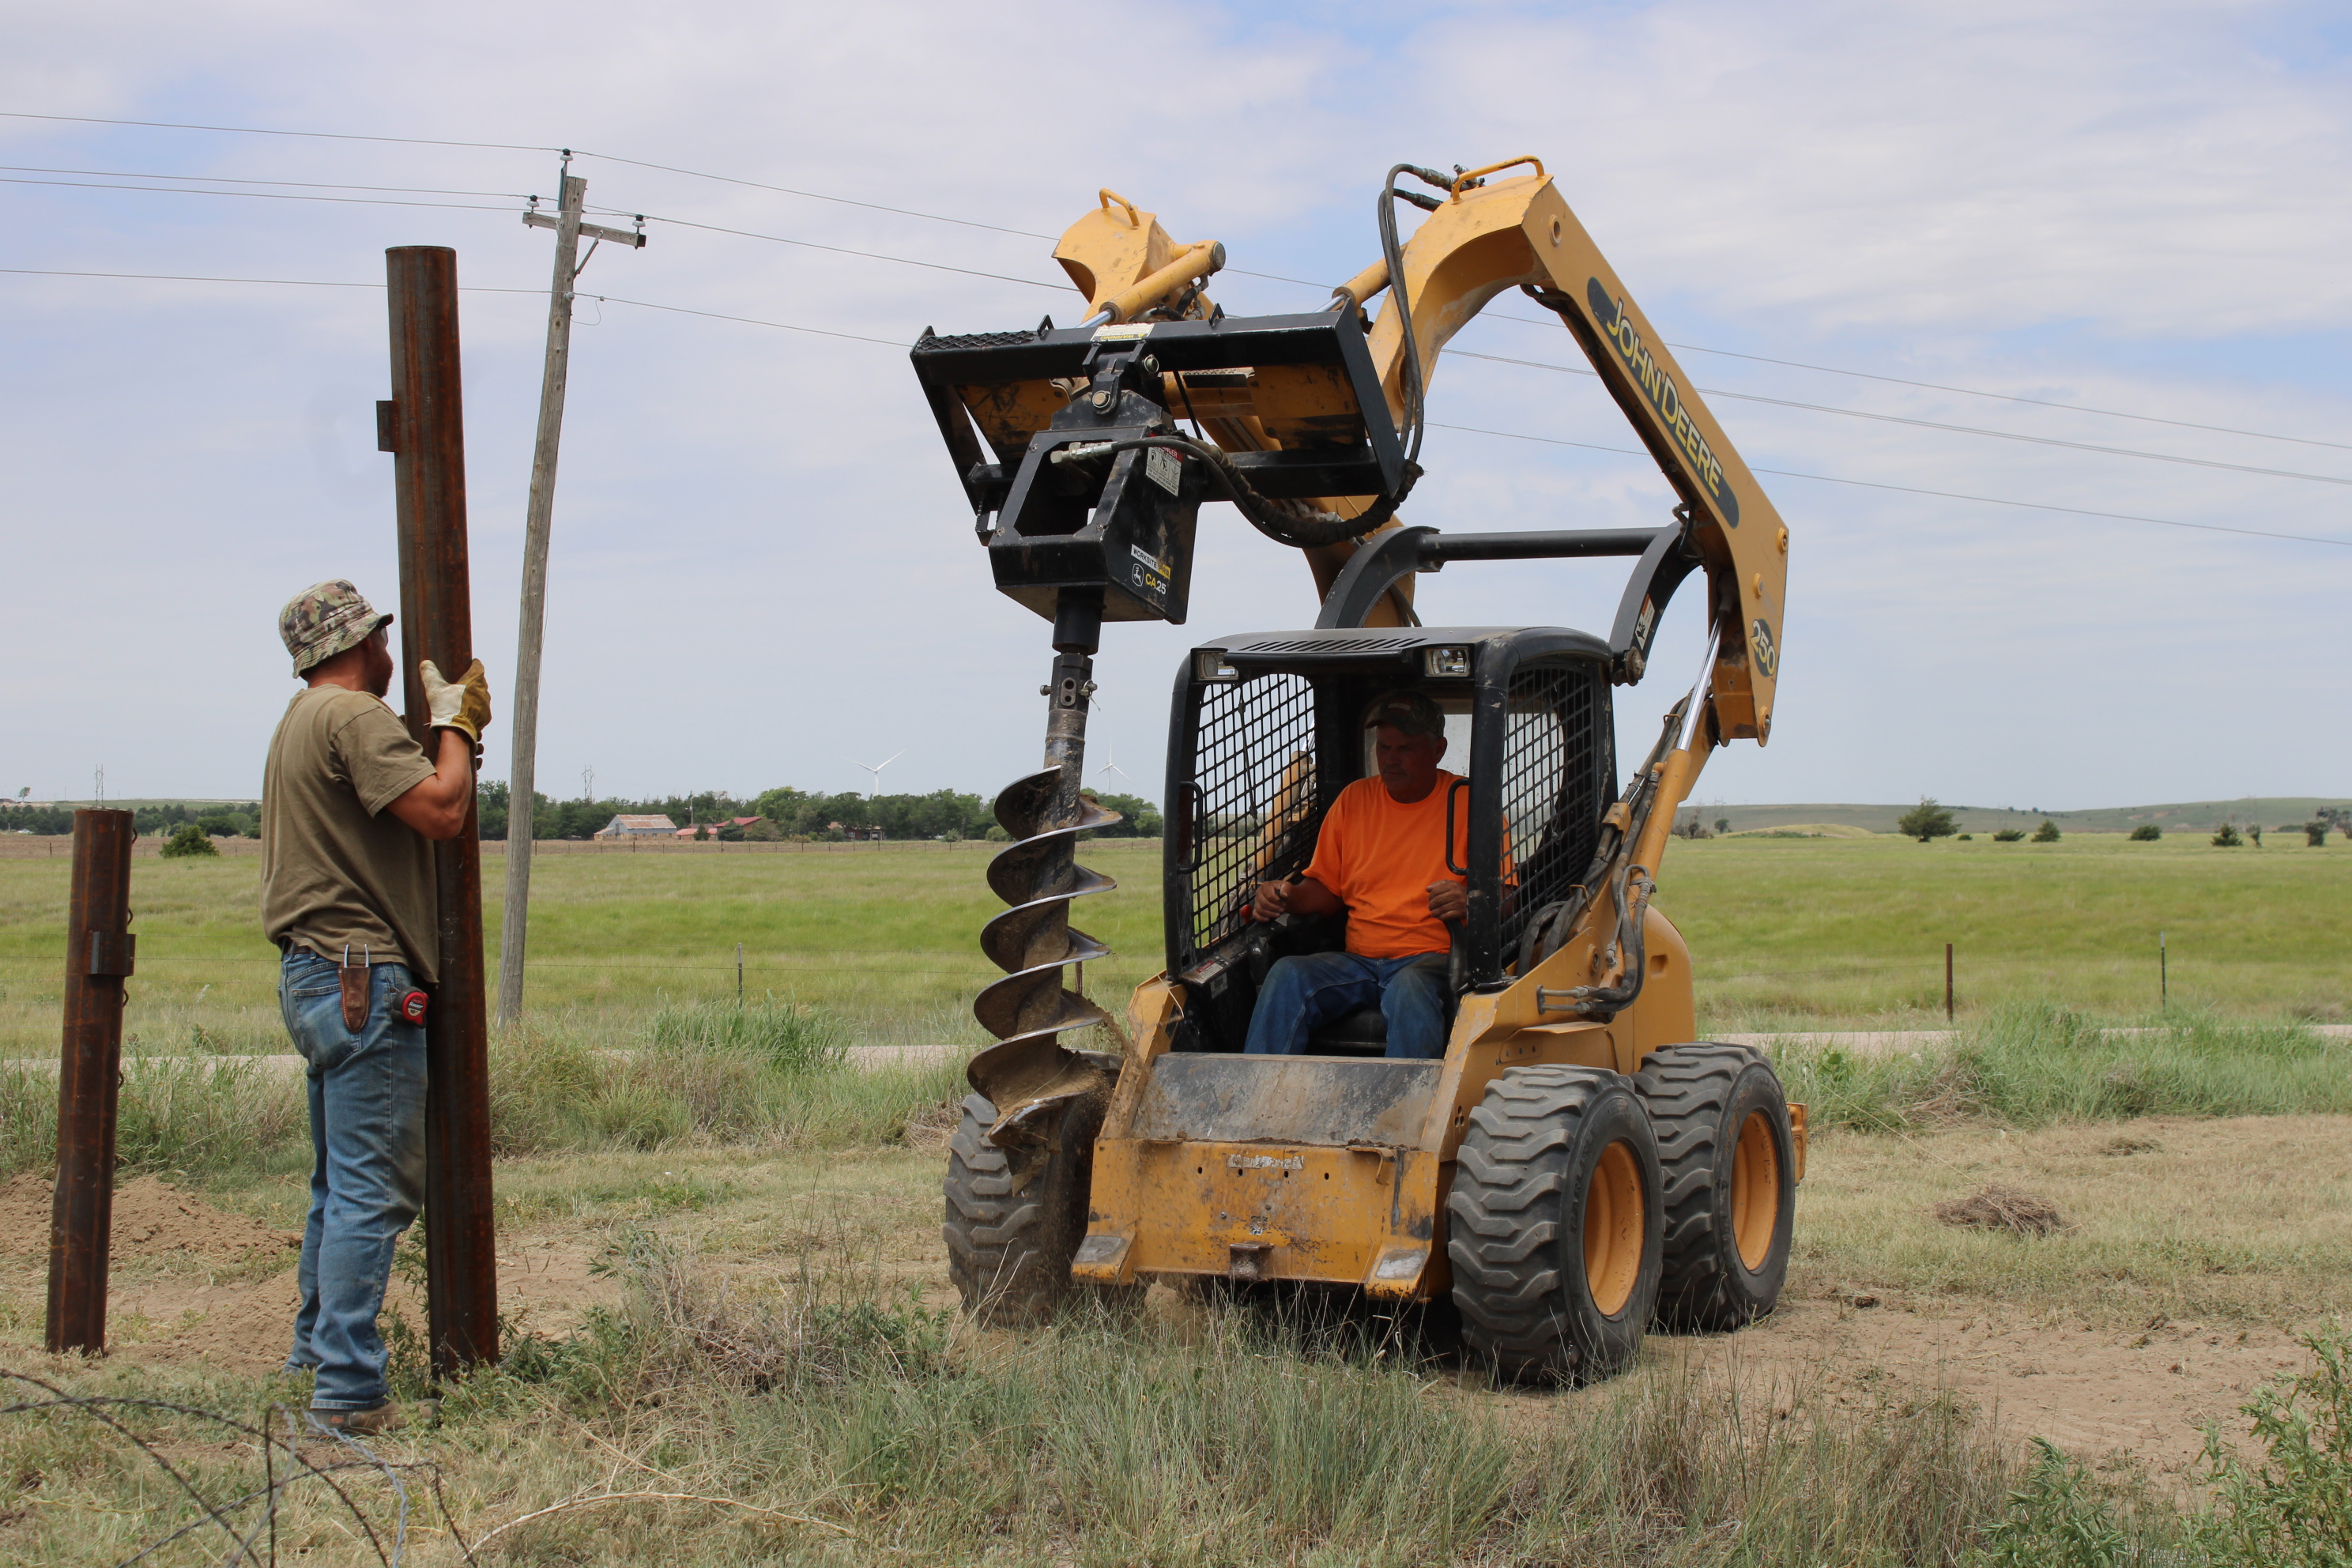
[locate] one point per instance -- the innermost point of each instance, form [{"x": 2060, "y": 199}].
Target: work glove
[{"x": 463, "y": 705}]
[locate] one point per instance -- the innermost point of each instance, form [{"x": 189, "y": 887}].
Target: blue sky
[{"x": 762, "y": 566}]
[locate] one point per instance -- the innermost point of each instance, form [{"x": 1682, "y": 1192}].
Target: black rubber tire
[
  {"x": 1518, "y": 1217},
  {"x": 1011, "y": 1233},
  {"x": 1701, "y": 1097}
]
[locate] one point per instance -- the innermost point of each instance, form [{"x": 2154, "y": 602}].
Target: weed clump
[{"x": 1998, "y": 1207}]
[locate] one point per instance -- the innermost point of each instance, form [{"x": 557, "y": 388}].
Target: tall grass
[
  {"x": 2032, "y": 1063},
  {"x": 770, "y": 1074},
  {"x": 189, "y": 1115},
  {"x": 1226, "y": 1435}
]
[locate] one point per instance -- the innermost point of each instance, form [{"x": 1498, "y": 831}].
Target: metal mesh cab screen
[
  {"x": 1254, "y": 765},
  {"x": 1558, "y": 771}
]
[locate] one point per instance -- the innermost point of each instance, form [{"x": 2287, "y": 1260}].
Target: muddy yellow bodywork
[{"x": 1336, "y": 1169}]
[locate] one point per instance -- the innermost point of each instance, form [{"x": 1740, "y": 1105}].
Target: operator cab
[{"x": 1268, "y": 729}]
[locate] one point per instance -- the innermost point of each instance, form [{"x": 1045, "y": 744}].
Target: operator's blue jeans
[
  {"x": 367, "y": 1172},
  {"x": 1302, "y": 994}
]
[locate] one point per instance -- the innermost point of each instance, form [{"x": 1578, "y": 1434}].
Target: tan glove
[{"x": 463, "y": 704}]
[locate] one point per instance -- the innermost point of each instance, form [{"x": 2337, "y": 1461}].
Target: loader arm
[{"x": 1488, "y": 236}]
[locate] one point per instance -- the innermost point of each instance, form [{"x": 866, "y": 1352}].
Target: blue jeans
[
  {"x": 367, "y": 1172},
  {"x": 1302, "y": 994}
]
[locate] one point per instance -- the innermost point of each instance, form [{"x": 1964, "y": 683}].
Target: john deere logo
[{"x": 1624, "y": 339}]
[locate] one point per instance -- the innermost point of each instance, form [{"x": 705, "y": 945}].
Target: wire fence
[{"x": 247, "y": 1521}]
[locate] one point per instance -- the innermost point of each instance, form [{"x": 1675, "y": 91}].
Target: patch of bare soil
[
  {"x": 2145, "y": 1393},
  {"x": 217, "y": 1314},
  {"x": 151, "y": 1219}
]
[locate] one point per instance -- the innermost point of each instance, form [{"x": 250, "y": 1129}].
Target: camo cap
[
  {"x": 1410, "y": 711},
  {"x": 324, "y": 620}
]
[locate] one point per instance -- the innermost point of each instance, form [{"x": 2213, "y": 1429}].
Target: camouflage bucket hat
[
  {"x": 324, "y": 620},
  {"x": 1410, "y": 711}
]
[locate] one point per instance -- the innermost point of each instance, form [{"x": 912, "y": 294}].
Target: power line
[
  {"x": 472, "y": 206},
  {"x": 257, "y": 195},
  {"x": 1940, "y": 424},
  {"x": 1245, "y": 272},
  {"x": 1466, "y": 429},
  {"x": 1917, "y": 490},
  {"x": 285, "y": 282},
  {"x": 811, "y": 195},
  {"x": 256, "y": 130},
  {"x": 868, "y": 255},
  {"x": 234, "y": 180}
]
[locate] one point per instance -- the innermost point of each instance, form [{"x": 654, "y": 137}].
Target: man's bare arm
[
  {"x": 436, "y": 807},
  {"x": 1304, "y": 897}
]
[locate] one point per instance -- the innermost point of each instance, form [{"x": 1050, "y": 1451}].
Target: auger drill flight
[{"x": 1575, "y": 1164}]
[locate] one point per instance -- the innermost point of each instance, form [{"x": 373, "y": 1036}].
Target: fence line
[{"x": 59, "y": 845}]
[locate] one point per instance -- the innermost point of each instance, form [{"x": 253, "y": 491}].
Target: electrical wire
[
  {"x": 1940, "y": 424},
  {"x": 255, "y": 130},
  {"x": 1466, "y": 429},
  {"x": 1917, "y": 490},
  {"x": 470, "y": 206},
  {"x": 234, "y": 180},
  {"x": 1029, "y": 233},
  {"x": 1240, "y": 271},
  {"x": 866, "y": 255},
  {"x": 257, "y": 195}
]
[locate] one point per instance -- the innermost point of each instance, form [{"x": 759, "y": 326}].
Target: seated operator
[{"x": 1380, "y": 857}]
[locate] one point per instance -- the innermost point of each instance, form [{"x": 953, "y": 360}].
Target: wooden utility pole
[
  {"x": 522, "y": 781},
  {"x": 424, "y": 429}
]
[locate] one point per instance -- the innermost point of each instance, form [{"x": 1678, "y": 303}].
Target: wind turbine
[
  {"x": 876, "y": 769},
  {"x": 1111, "y": 764}
]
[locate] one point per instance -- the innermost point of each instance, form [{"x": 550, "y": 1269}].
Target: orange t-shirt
[{"x": 1380, "y": 854}]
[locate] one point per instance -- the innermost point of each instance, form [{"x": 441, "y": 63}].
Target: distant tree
[
  {"x": 2228, "y": 837},
  {"x": 188, "y": 839},
  {"x": 1926, "y": 821},
  {"x": 729, "y": 834},
  {"x": 701, "y": 832},
  {"x": 1965, "y": 839},
  {"x": 2315, "y": 833},
  {"x": 2009, "y": 836},
  {"x": 1722, "y": 824},
  {"x": 2255, "y": 832},
  {"x": 2146, "y": 833},
  {"x": 1138, "y": 818},
  {"x": 2047, "y": 833},
  {"x": 760, "y": 830}
]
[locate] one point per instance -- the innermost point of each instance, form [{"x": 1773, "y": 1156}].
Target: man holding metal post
[{"x": 349, "y": 804}]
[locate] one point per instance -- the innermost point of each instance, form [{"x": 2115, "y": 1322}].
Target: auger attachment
[{"x": 1028, "y": 1075}]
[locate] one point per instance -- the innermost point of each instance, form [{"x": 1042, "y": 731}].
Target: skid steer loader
[{"x": 1576, "y": 1166}]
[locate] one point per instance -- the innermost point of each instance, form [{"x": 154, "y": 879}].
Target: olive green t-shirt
[{"x": 336, "y": 868}]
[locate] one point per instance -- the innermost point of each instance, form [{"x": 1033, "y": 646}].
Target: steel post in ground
[
  {"x": 98, "y": 959},
  {"x": 437, "y": 623},
  {"x": 1948, "y": 983}
]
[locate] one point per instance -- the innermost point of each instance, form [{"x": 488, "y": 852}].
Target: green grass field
[{"x": 1787, "y": 933}]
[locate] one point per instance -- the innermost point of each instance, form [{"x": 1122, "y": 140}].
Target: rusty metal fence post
[
  {"x": 98, "y": 956},
  {"x": 427, "y": 438}
]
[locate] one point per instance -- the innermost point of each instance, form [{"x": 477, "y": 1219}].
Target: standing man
[{"x": 349, "y": 803}]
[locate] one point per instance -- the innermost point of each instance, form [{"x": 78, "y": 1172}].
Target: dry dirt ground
[{"x": 2191, "y": 1254}]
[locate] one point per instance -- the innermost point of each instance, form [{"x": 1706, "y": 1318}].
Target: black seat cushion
[{"x": 1361, "y": 1033}]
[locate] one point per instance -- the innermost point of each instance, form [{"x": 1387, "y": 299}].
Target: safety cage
[{"x": 1267, "y": 730}]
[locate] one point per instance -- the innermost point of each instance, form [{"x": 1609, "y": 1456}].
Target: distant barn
[{"x": 634, "y": 826}]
